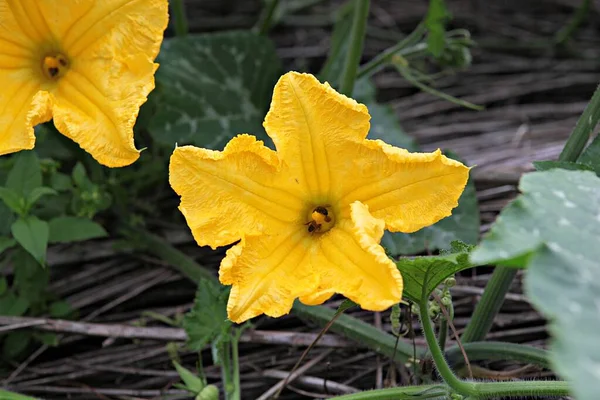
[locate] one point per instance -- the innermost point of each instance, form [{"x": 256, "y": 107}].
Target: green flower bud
[{"x": 210, "y": 392}]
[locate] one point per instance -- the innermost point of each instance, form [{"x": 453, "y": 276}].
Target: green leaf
[
  {"x": 568, "y": 165},
  {"x": 207, "y": 321},
  {"x": 462, "y": 225},
  {"x": 47, "y": 338},
  {"x": 79, "y": 175},
  {"x": 3, "y": 286},
  {"x": 7, "y": 217},
  {"x": 12, "y": 305},
  {"x": 413, "y": 272},
  {"x": 61, "y": 182},
  {"x": 192, "y": 382},
  {"x": 31, "y": 278},
  {"x": 213, "y": 87},
  {"x": 26, "y": 174},
  {"x": 591, "y": 155},
  {"x": 339, "y": 44},
  {"x": 32, "y": 234},
  {"x": 12, "y": 199},
  {"x": 60, "y": 309},
  {"x": 435, "y": 22},
  {"x": 385, "y": 126},
  {"x": 6, "y": 243},
  {"x": 553, "y": 229},
  {"x": 38, "y": 192},
  {"x": 6, "y": 395},
  {"x": 14, "y": 344},
  {"x": 74, "y": 229}
]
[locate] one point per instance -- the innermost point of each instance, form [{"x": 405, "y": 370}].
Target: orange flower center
[
  {"x": 321, "y": 219},
  {"x": 54, "y": 66}
]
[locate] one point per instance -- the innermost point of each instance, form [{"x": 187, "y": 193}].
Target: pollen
[
  {"x": 321, "y": 220},
  {"x": 54, "y": 66}
]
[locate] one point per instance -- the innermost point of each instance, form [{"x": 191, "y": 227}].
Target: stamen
[
  {"x": 55, "y": 66},
  {"x": 321, "y": 220}
]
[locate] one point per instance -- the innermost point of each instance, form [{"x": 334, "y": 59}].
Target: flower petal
[
  {"x": 350, "y": 261},
  {"x": 97, "y": 103},
  {"x": 239, "y": 191},
  {"x": 407, "y": 190},
  {"x": 268, "y": 273},
  {"x": 94, "y": 27},
  {"x": 22, "y": 106},
  {"x": 305, "y": 119}
]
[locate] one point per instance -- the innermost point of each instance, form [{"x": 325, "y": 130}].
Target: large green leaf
[
  {"x": 212, "y": 87},
  {"x": 462, "y": 225},
  {"x": 553, "y": 229},
  {"x": 208, "y": 318},
  {"x": 26, "y": 174},
  {"x": 6, "y": 395},
  {"x": 74, "y": 229},
  {"x": 413, "y": 271},
  {"x": 32, "y": 234}
]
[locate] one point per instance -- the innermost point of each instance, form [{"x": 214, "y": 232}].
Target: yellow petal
[
  {"x": 239, "y": 191},
  {"x": 267, "y": 273},
  {"x": 21, "y": 25},
  {"x": 306, "y": 121},
  {"x": 350, "y": 261},
  {"x": 22, "y": 106},
  {"x": 90, "y": 27},
  {"x": 407, "y": 190},
  {"x": 97, "y": 103}
]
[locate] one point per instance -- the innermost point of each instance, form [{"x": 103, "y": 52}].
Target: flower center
[
  {"x": 55, "y": 66},
  {"x": 321, "y": 220}
]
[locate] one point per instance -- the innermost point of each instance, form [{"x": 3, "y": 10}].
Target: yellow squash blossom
[
  {"x": 89, "y": 64},
  {"x": 311, "y": 214}
]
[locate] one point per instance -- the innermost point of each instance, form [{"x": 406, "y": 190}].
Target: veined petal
[
  {"x": 121, "y": 27},
  {"x": 267, "y": 273},
  {"x": 350, "y": 261},
  {"x": 306, "y": 121},
  {"x": 97, "y": 103},
  {"x": 239, "y": 191},
  {"x": 17, "y": 36},
  {"x": 22, "y": 106},
  {"x": 407, "y": 190}
]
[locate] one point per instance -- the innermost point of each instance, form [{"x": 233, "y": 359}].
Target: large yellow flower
[
  {"x": 87, "y": 63},
  {"x": 311, "y": 214}
]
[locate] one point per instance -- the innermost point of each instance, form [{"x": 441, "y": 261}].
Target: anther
[
  {"x": 54, "y": 66},
  {"x": 321, "y": 220}
]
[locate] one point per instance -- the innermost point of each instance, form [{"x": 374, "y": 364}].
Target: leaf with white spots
[
  {"x": 553, "y": 229},
  {"x": 211, "y": 87}
]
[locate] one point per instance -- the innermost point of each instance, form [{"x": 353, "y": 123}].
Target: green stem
[
  {"x": 489, "y": 305},
  {"x": 486, "y": 390},
  {"x": 443, "y": 333},
  {"x": 226, "y": 375},
  {"x": 563, "y": 36},
  {"x": 357, "y": 39},
  {"x": 266, "y": 21},
  {"x": 181, "y": 23},
  {"x": 385, "y": 57},
  {"x": 581, "y": 134},
  {"x": 235, "y": 359},
  {"x": 491, "y": 351},
  {"x": 481, "y": 390}
]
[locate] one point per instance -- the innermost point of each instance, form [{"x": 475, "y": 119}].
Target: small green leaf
[
  {"x": 47, "y": 338},
  {"x": 38, "y": 192},
  {"x": 79, "y": 175},
  {"x": 61, "y": 182},
  {"x": 212, "y": 87},
  {"x": 14, "y": 344},
  {"x": 568, "y": 165},
  {"x": 13, "y": 306},
  {"x": 74, "y": 229},
  {"x": 7, "y": 217},
  {"x": 32, "y": 234},
  {"x": 12, "y": 199},
  {"x": 192, "y": 382},
  {"x": 60, "y": 309},
  {"x": 553, "y": 229},
  {"x": 413, "y": 272},
  {"x": 207, "y": 320},
  {"x": 26, "y": 174},
  {"x": 435, "y": 22},
  {"x": 6, "y": 395},
  {"x": 6, "y": 243}
]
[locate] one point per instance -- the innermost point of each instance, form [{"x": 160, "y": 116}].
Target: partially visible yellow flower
[
  {"x": 89, "y": 64},
  {"x": 311, "y": 214}
]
